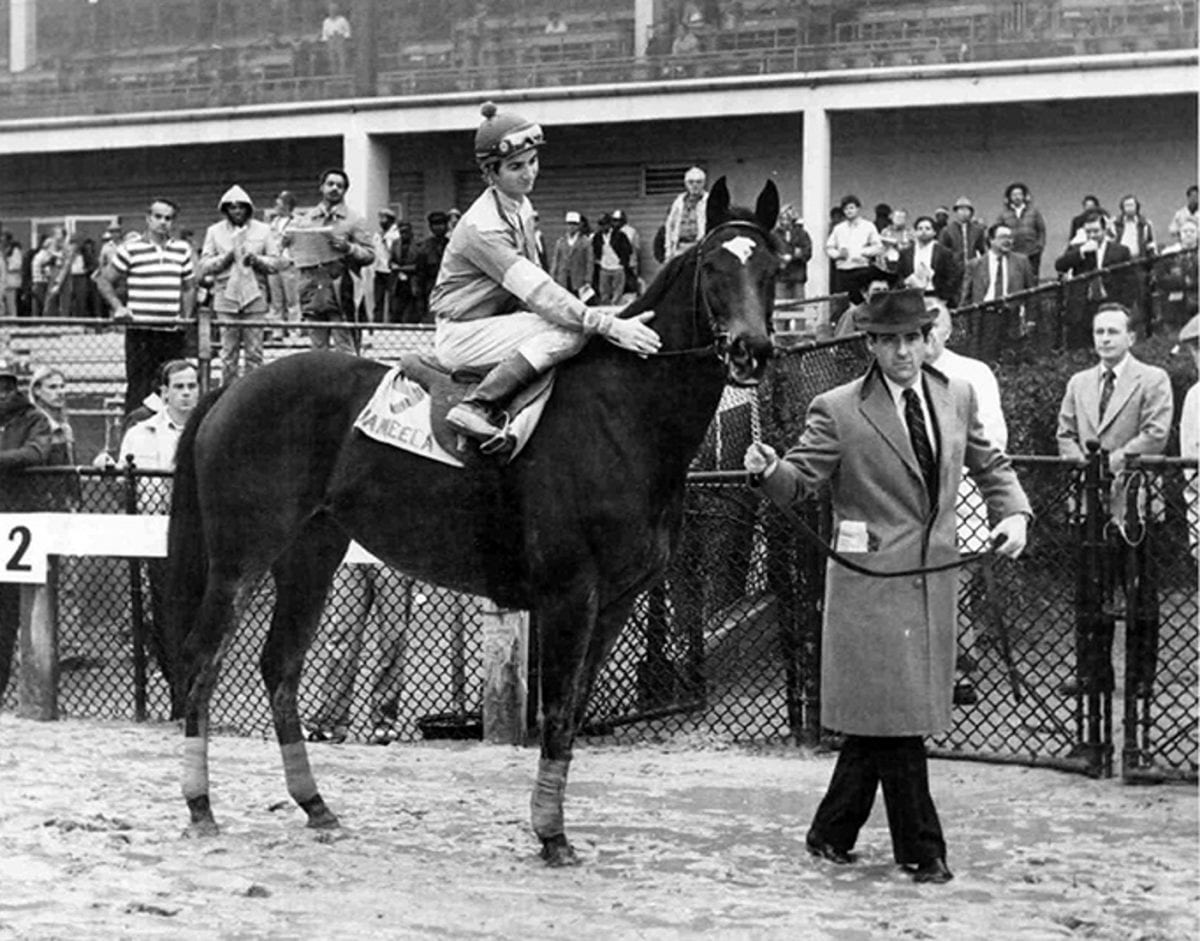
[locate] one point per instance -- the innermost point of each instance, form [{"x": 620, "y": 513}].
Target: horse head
[{"x": 736, "y": 266}]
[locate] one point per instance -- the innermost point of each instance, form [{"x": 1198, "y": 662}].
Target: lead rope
[{"x": 828, "y": 551}]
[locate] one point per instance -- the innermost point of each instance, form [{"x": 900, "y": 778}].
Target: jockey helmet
[{"x": 504, "y": 135}]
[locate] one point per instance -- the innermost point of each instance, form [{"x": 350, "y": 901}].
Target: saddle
[{"x": 405, "y": 418}]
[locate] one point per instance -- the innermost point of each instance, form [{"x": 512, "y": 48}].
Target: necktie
[
  {"x": 918, "y": 435},
  {"x": 1106, "y": 391}
]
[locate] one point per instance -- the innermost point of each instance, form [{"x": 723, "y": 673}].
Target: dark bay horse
[{"x": 272, "y": 477}]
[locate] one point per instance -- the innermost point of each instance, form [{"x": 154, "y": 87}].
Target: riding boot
[{"x": 474, "y": 416}]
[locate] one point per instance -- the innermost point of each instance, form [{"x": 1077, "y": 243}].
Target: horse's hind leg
[
  {"x": 302, "y": 577},
  {"x": 202, "y": 654}
]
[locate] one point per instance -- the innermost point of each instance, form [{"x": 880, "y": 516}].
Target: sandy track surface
[{"x": 675, "y": 843}]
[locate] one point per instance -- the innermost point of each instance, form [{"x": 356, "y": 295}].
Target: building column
[
  {"x": 643, "y": 19},
  {"x": 368, "y": 161},
  {"x": 815, "y": 173},
  {"x": 22, "y": 35}
]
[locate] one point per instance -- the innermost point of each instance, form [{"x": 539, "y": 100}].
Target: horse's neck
[{"x": 678, "y": 321}]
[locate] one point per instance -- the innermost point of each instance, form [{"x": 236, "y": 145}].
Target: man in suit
[
  {"x": 1126, "y": 407},
  {"x": 892, "y": 446},
  {"x": 571, "y": 263},
  {"x": 1085, "y": 296},
  {"x": 996, "y": 274},
  {"x": 928, "y": 266},
  {"x": 963, "y": 236}
]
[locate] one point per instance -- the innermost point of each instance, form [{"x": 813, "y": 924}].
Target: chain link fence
[{"x": 729, "y": 646}]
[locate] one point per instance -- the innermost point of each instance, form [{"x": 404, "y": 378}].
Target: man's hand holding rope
[{"x": 1007, "y": 538}]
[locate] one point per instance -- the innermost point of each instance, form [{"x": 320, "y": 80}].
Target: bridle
[{"x": 720, "y": 345}]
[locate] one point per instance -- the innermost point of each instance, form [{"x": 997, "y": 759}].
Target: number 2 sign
[{"x": 23, "y": 548}]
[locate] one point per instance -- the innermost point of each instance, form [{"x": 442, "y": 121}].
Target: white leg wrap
[
  {"x": 547, "y": 804},
  {"x": 195, "y": 767},
  {"x": 300, "y": 782}
]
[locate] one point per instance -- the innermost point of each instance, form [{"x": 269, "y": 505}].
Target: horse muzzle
[{"x": 745, "y": 360}]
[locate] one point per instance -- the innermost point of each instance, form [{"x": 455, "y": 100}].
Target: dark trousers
[
  {"x": 10, "y": 625},
  {"x": 854, "y": 281},
  {"x": 145, "y": 352},
  {"x": 899, "y": 764}
]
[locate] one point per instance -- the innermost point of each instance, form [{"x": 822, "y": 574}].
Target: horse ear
[
  {"x": 766, "y": 210},
  {"x": 717, "y": 207}
]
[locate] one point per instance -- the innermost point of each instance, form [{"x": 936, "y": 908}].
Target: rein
[
  {"x": 830, "y": 553},
  {"x": 720, "y": 343}
]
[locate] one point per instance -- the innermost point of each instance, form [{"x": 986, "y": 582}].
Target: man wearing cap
[
  {"x": 621, "y": 224},
  {"x": 686, "y": 218},
  {"x": 572, "y": 260},
  {"x": 383, "y": 278},
  {"x": 794, "y": 247},
  {"x": 328, "y": 281},
  {"x": 109, "y": 245},
  {"x": 429, "y": 260},
  {"x": 892, "y": 446},
  {"x": 160, "y": 284},
  {"x": 612, "y": 252},
  {"x": 962, "y": 236},
  {"x": 494, "y": 304},
  {"x": 25, "y": 441},
  {"x": 239, "y": 254}
]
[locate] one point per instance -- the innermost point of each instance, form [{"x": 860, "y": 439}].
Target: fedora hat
[
  {"x": 963, "y": 201},
  {"x": 896, "y": 312}
]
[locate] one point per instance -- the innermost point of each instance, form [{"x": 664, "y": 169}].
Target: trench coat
[{"x": 888, "y": 645}]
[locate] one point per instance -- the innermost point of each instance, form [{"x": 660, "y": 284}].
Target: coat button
[{"x": 917, "y": 582}]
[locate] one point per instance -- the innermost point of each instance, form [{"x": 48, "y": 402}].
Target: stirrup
[{"x": 501, "y": 442}]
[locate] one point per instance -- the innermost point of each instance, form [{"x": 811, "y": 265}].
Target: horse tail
[{"x": 187, "y": 552}]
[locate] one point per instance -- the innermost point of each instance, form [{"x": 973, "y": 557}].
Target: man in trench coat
[{"x": 892, "y": 446}]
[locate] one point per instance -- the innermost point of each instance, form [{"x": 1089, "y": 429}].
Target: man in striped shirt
[{"x": 160, "y": 282}]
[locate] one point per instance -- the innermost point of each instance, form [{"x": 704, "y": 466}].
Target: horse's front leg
[{"x": 574, "y": 641}]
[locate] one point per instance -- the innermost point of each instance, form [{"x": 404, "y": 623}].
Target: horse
[{"x": 271, "y": 476}]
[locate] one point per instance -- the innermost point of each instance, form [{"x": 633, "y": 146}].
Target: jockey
[{"x": 495, "y": 305}]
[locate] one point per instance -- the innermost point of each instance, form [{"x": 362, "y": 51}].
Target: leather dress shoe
[
  {"x": 935, "y": 873},
  {"x": 822, "y": 850}
]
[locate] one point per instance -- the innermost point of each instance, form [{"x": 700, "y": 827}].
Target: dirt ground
[{"x": 676, "y": 842}]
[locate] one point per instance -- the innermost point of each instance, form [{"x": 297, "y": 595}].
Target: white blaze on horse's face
[{"x": 740, "y": 247}]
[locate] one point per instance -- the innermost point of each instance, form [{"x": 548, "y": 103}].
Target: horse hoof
[
  {"x": 200, "y": 829},
  {"x": 557, "y": 852},
  {"x": 323, "y": 820}
]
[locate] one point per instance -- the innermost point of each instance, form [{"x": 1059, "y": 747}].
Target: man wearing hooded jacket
[{"x": 239, "y": 254}]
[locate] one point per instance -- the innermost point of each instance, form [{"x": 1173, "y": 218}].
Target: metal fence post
[
  {"x": 203, "y": 324},
  {"x": 1094, "y": 627},
  {"x": 136, "y": 603}
]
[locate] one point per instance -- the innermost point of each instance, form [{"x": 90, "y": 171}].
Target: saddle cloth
[{"x": 408, "y": 411}]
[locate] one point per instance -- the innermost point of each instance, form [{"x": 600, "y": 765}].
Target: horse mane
[{"x": 667, "y": 273}]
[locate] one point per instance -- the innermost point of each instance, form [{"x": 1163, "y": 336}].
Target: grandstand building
[{"x": 104, "y": 103}]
